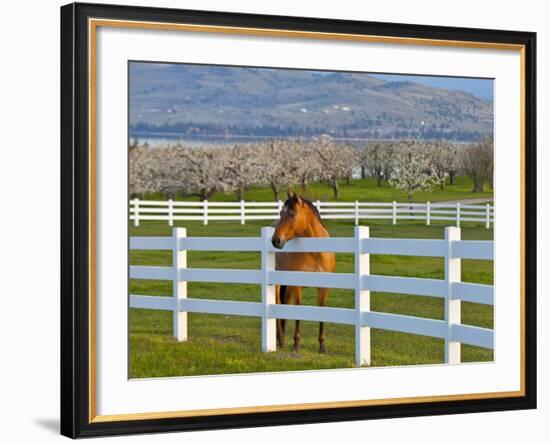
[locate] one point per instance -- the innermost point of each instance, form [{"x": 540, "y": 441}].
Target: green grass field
[
  {"x": 224, "y": 344},
  {"x": 360, "y": 189}
]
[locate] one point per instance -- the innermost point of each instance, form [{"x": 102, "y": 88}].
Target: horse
[{"x": 300, "y": 218}]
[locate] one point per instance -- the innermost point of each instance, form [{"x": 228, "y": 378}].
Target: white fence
[
  {"x": 243, "y": 211},
  {"x": 451, "y": 289}
]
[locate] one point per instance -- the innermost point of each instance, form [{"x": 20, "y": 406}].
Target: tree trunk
[
  {"x": 336, "y": 189},
  {"x": 206, "y": 194},
  {"x": 478, "y": 185},
  {"x": 303, "y": 185},
  {"x": 275, "y": 191},
  {"x": 363, "y": 173},
  {"x": 240, "y": 194},
  {"x": 386, "y": 173},
  {"x": 379, "y": 179},
  {"x": 442, "y": 184},
  {"x": 452, "y": 178},
  {"x": 348, "y": 180},
  {"x": 410, "y": 200}
]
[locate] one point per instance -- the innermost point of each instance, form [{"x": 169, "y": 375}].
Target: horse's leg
[
  {"x": 278, "y": 301},
  {"x": 322, "y": 295},
  {"x": 280, "y": 298},
  {"x": 297, "y": 299}
]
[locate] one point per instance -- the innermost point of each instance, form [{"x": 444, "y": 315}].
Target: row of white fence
[
  {"x": 243, "y": 211},
  {"x": 451, "y": 289}
]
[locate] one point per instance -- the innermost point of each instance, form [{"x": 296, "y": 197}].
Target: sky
[{"x": 480, "y": 87}]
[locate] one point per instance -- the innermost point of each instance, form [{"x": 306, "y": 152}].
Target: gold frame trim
[{"x": 93, "y": 24}]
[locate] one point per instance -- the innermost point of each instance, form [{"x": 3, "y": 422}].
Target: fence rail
[
  {"x": 243, "y": 211},
  {"x": 451, "y": 289}
]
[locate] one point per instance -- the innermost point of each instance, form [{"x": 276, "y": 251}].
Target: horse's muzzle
[{"x": 278, "y": 242}]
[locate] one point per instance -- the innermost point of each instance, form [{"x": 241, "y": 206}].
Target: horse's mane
[{"x": 291, "y": 202}]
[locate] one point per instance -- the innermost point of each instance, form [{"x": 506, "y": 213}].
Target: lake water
[
  {"x": 168, "y": 139},
  {"x": 157, "y": 140}
]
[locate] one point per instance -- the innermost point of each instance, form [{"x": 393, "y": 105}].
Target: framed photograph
[{"x": 274, "y": 220}]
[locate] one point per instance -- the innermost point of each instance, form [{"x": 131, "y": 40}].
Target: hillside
[{"x": 196, "y": 100}]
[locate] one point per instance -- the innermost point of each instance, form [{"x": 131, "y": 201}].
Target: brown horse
[{"x": 300, "y": 218}]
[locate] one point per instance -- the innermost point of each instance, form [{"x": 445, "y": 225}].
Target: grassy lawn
[
  {"x": 360, "y": 189},
  {"x": 227, "y": 344}
]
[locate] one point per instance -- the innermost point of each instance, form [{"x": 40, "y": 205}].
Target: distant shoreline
[{"x": 183, "y": 136}]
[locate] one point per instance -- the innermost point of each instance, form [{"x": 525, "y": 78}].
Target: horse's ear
[
  {"x": 300, "y": 201},
  {"x": 289, "y": 192}
]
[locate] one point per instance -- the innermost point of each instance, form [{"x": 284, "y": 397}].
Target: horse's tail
[{"x": 283, "y": 294}]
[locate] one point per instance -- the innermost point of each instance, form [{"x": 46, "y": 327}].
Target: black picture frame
[{"x": 75, "y": 220}]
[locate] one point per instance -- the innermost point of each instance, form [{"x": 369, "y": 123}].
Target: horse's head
[{"x": 292, "y": 222}]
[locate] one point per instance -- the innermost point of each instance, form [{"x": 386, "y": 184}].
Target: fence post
[
  {"x": 242, "y": 212},
  {"x": 205, "y": 212},
  {"x": 318, "y": 205},
  {"x": 394, "y": 213},
  {"x": 362, "y": 299},
  {"x": 487, "y": 216},
  {"x": 136, "y": 212},
  {"x": 269, "y": 325},
  {"x": 452, "y": 306},
  {"x": 356, "y": 212},
  {"x": 428, "y": 214},
  {"x": 170, "y": 212},
  {"x": 179, "y": 261},
  {"x": 279, "y": 205},
  {"x": 458, "y": 214}
]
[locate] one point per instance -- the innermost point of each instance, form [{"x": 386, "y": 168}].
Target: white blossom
[
  {"x": 378, "y": 159},
  {"x": 143, "y": 170},
  {"x": 242, "y": 169},
  {"x": 276, "y": 168},
  {"x": 412, "y": 169},
  {"x": 477, "y": 162},
  {"x": 336, "y": 162},
  {"x": 444, "y": 160}
]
